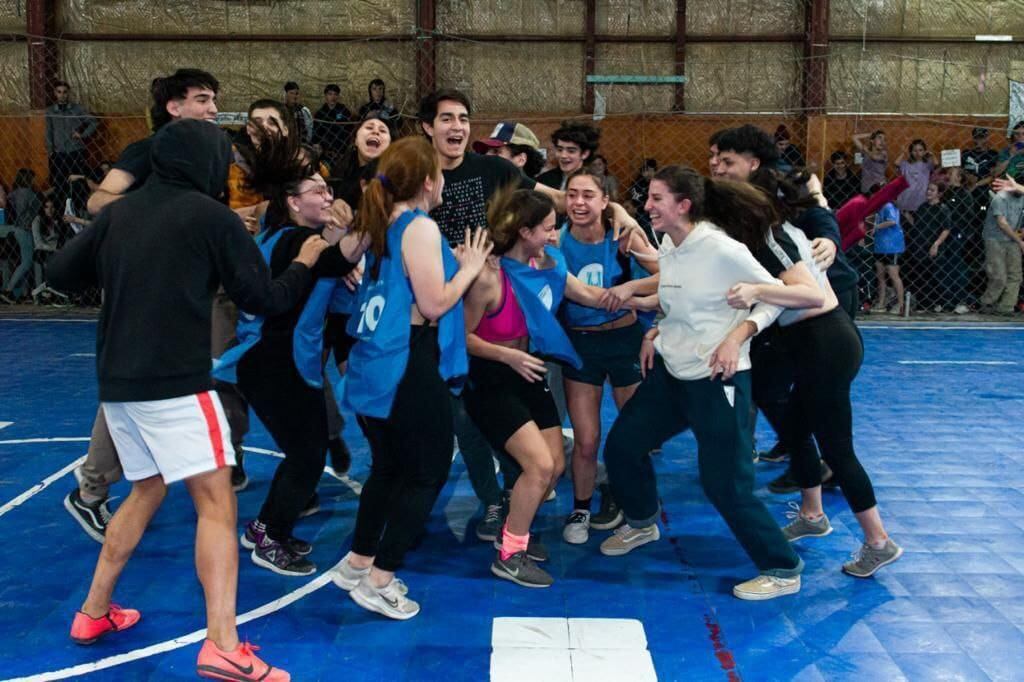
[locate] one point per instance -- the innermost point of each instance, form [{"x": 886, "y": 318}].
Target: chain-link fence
[{"x": 657, "y": 77}]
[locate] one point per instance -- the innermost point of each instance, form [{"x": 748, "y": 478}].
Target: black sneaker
[
  {"x": 521, "y": 570},
  {"x": 312, "y": 507},
  {"x": 239, "y": 479},
  {"x": 775, "y": 455},
  {"x": 609, "y": 516},
  {"x": 93, "y": 518},
  {"x": 786, "y": 483},
  {"x": 256, "y": 531},
  {"x": 341, "y": 456},
  {"x": 276, "y": 557}
]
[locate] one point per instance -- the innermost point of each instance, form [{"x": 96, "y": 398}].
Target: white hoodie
[{"x": 695, "y": 279}]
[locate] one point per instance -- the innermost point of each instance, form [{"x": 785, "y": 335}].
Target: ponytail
[
  {"x": 401, "y": 171},
  {"x": 509, "y": 211}
]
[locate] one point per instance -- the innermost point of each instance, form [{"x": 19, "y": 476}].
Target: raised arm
[
  {"x": 110, "y": 190},
  {"x": 421, "y": 249}
]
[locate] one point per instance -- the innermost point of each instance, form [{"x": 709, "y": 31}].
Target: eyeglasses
[{"x": 323, "y": 190}]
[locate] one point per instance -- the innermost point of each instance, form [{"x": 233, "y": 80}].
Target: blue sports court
[{"x": 937, "y": 421}]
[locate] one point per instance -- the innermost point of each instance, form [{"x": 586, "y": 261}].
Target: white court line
[
  {"x": 82, "y": 355},
  {"x": 955, "y": 362},
  {"x": 4, "y": 425},
  {"x": 178, "y": 642}
]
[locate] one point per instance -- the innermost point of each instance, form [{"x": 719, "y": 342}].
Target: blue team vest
[
  {"x": 307, "y": 339},
  {"x": 380, "y": 325},
  {"x": 598, "y": 265},
  {"x": 539, "y": 293}
]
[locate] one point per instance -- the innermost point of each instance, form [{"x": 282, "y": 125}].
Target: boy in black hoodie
[{"x": 160, "y": 254}]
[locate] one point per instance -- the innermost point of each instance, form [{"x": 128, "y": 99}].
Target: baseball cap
[{"x": 507, "y": 132}]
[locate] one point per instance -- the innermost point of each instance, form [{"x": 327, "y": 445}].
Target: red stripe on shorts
[{"x": 213, "y": 427}]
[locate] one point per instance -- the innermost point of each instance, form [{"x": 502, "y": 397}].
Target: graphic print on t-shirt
[{"x": 463, "y": 206}]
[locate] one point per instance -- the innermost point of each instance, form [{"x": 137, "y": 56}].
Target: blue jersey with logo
[
  {"x": 599, "y": 265},
  {"x": 539, "y": 292},
  {"x": 380, "y": 324}
]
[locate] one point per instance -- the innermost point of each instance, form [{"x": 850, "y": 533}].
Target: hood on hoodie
[{"x": 192, "y": 153}]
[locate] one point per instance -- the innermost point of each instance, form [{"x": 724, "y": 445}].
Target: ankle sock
[
  {"x": 581, "y": 505},
  {"x": 89, "y": 498},
  {"x": 511, "y": 544}
]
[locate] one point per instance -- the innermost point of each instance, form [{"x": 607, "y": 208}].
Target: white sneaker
[
  {"x": 937, "y": 309},
  {"x": 387, "y": 601},
  {"x": 961, "y": 309},
  {"x": 552, "y": 496},
  {"x": 626, "y": 538},
  {"x": 577, "y": 527},
  {"x": 766, "y": 587},
  {"x": 346, "y": 576}
]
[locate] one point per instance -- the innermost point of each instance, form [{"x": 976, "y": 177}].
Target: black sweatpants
[
  {"x": 827, "y": 353},
  {"x": 295, "y": 414},
  {"x": 717, "y": 411},
  {"x": 411, "y": 454}
]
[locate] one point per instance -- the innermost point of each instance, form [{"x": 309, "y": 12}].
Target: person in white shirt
[{"x": 696, "y": 364}]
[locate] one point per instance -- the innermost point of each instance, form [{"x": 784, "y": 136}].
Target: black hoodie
[{"x": 160, "y": 254}]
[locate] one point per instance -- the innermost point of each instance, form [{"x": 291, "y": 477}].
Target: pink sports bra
[{"x": 508, "y": 323}]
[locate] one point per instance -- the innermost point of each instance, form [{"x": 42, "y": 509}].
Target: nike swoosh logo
[
  {"x": 513, "y": 573},
  {"x": 245, "y": 671},
  {"x": 393, "y": 603}
]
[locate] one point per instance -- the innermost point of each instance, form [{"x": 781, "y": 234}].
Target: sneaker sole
[
  {"x": 751, "y": 596},
  {"x": 828, "y": 531},
  {"x": 631, "y": 547},
  {"x": 263, "y": 563},
  {"x": 508, "y": 576},
  {"x": 774, "y": 460},
  {"x": 358, "y": 598},
  {"x": 212, "y": 673},
  {"x": 885, "y": 563},
  {"x": 343, "y": 583},
  {"x": 245, "y": 542},
  {"x": 580, "y": 541},
  {"x": 89, "y": 530},
  {"x": 308, "y": 512},
  {"x": 486, "y": 537},
  {"x": 607, "y": 525}
]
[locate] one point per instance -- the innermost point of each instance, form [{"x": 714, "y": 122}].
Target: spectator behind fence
[
  {"x": 789, "y": 156},
  {"x": 611, "y": 183},
  {"x": 637, "y": 195},
  {"x": 68, "y": 126},
  {"x": 24, "y": 202},
  {"x": 379, "y": 103},
  {"x": 574, "y": 143},
  {"x": 515, "y": 142},
  {"x": 929, "y": 234},
  {"x": 303, "y": 119},
  {"x": 3, "y": 204},
  {"x": 964, "y": 240},
  {"x": 46, "y": 239},
  {"x": 332, "y": 128},
  {"x": 841, "y": 183},
  {"x": 979, "y": 161},
  {"x": 1003, "y": 247},
  {"x": 917, "y": 168},
  {"x": 874, "y": 159},
  {"x": 1011, "y": 158},
  {"x": 889, "y": 247}
]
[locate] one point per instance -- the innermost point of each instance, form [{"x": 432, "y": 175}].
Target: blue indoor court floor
[{"x": 937, "y": 422}]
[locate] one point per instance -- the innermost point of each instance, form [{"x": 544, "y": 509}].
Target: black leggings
[
  {"x": 411, "y": 454},
  {"x": 826, "y": 353},
  {"x": 295, "y": 414}
]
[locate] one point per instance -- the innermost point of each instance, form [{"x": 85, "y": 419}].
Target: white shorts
[{"x": 175, "y": 438}]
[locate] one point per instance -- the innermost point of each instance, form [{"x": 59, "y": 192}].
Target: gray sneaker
[
  {"x": 489, "y": 527},
  {"x": 626, "y": 538},
  {"x": 867, "y": 560},
  {"x": 520, "y": 569},
  {"x": 535, "y": 550},
  {"x": 387, "y": 601},
  {"x": 347, "y": 577},
  {"x": 802, "y": 527}
]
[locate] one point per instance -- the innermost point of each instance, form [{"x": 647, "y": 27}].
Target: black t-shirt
[
  {"x": 771, "y": 262},
  {"x": 468, "y": 188},
  {"x": 929, "y": 222},
  {"x": 981, "y": 163},
  {"x": 840, "y": 190},
  {"x": 553, "y": 178},
  {"x": 135, "y": 161}
]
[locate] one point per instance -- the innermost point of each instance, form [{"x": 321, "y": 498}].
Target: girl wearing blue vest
[
  {"x": 608, "y": 343},
  {"x": 278, "y": 360},
  {"x": 509, "y": 309},
  {"x": 411, "y": 339}
]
